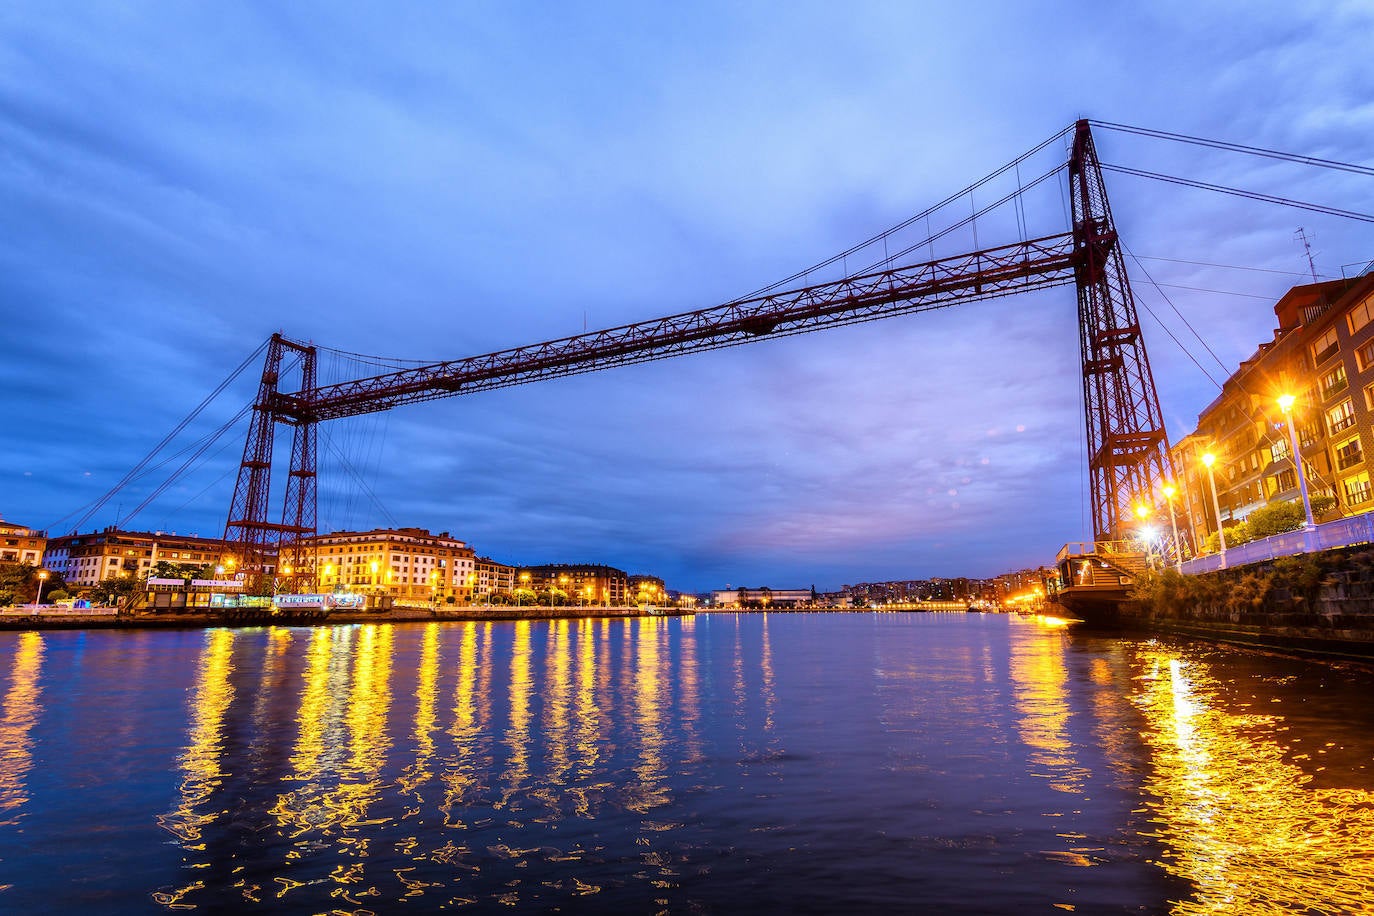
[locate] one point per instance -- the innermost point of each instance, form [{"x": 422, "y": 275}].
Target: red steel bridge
[{"x": 1128, "y": 455}]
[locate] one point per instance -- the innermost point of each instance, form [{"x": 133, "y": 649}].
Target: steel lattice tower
[{"x": 1128, "y": 451}]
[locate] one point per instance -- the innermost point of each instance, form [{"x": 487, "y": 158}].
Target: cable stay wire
[
  {"x": 1239, "y": 192},
  {"x": 967, "y": 220},
  {"x": 854, "y": 249},
  {"x": 186, "y": 465},
  {"x": 1265, "y": 270},
  {"x": 137, "y": 469},
  {"x": 362, "y": 484},
  {"x": 1216, "y": 292},
  {"x": 1238, "y": 148},
  {"x": 1186, "y": 323},
  {"x": 840, "y": 257}
]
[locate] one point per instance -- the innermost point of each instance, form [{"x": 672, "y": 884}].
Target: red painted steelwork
[
  {"x": 1128, "y": 455},
  {"x": 979, "y": 275},
  {"x": 1128, "y": 451}
]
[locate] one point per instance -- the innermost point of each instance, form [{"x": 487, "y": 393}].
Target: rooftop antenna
[{"x": 1307, "y": 247}]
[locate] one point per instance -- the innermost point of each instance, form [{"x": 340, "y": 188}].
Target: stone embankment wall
[{"x": 1320, "y": 602}]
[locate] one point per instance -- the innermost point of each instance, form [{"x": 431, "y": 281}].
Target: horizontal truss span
[{"x": 1039, "y": 263}]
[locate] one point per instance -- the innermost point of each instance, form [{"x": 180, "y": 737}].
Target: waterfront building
[
  {"x": 87, "y": 559},
  {"x": 589, "y": 583},
  {"x": 493, "y": 578},
  {"x": 647, "y": 590},
  {"x": 408, "y": 566},
  {"x": 1322, "y": 353},
  {"x": 763, "y": 598},
  {"x": 912, "y": 591},
  {"x": 20, "y": 544}
]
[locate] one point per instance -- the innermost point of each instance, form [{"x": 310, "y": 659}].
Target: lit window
[
  {"x": 1325, "y": 346},
  {"x": 1333, "y": 381},
  {"x": 1341, "y": 417},
  {"x": 1360, "y": 314},
  {"x": 1279, "y": 450},
  {"x": 1349, "y": 453},
  {"x": 1364, "y": 356},
  {"x": 1357, "y": 489}
]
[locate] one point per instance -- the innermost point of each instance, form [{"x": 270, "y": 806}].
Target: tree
[
  {"x": 524, "y": 595},
  {"x": 166, "y": 569},
  {"x": 19, "y": 583},
  {"x": 1274, "y": 518},
  {"x": 114, "y": 590}
]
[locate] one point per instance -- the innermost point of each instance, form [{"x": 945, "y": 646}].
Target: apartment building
[
  {"x": 408, "y": 566},
  {"x": 20, "y": 544},
  {"x": 1322, "y": 354}
]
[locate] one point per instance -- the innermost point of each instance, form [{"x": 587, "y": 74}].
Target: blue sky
[{"x": 179, "y": 181}]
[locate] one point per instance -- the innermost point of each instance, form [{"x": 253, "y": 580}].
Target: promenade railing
[{"x": 1343, "y": 532}]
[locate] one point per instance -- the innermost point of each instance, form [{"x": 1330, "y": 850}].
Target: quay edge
[
  {"x": 1316, "y": 604},
  {"x": 263, "y": 617}
]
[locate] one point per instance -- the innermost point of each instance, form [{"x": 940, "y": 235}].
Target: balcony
[
  {"x": 1335, "y": 388},
  {"x": 1347, "y": 460}
]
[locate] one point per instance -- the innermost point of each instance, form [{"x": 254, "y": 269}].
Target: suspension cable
[
  {"x": 1238, "y": 148},
  {"x": 1238, "y": 192},
  {"x": 186, "y": 421}
]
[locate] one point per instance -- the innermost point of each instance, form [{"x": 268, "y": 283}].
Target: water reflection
[
  {"x": 779, "y": 761},
  {"x": 1238, "y": 814},
  {"x": 20, "y": 714},
  {"x": 1041, "y": 689}
]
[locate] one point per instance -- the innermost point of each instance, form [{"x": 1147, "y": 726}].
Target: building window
[
  {"x": 1324, "y": 347},
  {"x": 1333, "y": 382},
  {"x": 1364, "y": 356},
  {"x": 1359, "y": 315},
  {"x": 1341, "y": 417},
  {"x": 1349, "y": 453},
  {"x": 1287, "y": 480},
  {"x": 1279, "y": 450},
  {"x": 1357, "y": 489}
]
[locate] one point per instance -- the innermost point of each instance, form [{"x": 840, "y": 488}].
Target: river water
[{"x": 824, "y": 763}]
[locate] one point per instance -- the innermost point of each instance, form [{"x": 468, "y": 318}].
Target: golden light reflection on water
[
  {"x": 426, "y": 700},
  {"x": 650, "y": 790},
  {"x": 20, "y": 714},
  {"x": 1237, "y": 815},
  {"x": 1040, "y": 688},
  {"x": 516, "y": 725},
  {"x": 557, "y": 695},
  {"x": 471, "y": 715},
  {"x": 518, "y": 731},
  {"x": 589, "y": 723},
  {"x": 201, "y": 772}
]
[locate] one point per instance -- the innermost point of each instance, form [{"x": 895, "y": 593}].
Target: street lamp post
[
  {"x": 1286, "y": 405},
  {"x": 1169, "y": 493},
  {"x": 1208, "y": 459},
  {"x": 42, "y": 578},
  {"x": 1142, "y": 512}
]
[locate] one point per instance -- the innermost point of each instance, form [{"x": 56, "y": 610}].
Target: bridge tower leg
[
  {"x": 259, "y": 549},
  {"x": 1128, "y": 449}
]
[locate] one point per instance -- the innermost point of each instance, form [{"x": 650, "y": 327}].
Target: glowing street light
[
  {"x": 519, "y": 593},
  {"x": 42, "y": 578},
  {"x": 1208, "y": 459},
  {"x": 1169, "y": 493},
  {"x": 1286, "y": 405}
]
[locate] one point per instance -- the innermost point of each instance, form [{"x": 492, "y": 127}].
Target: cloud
[{"x": 177, "y": 183}]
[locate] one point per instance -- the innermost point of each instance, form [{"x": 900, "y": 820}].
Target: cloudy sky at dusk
[{"x": 181, "y": 180}]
